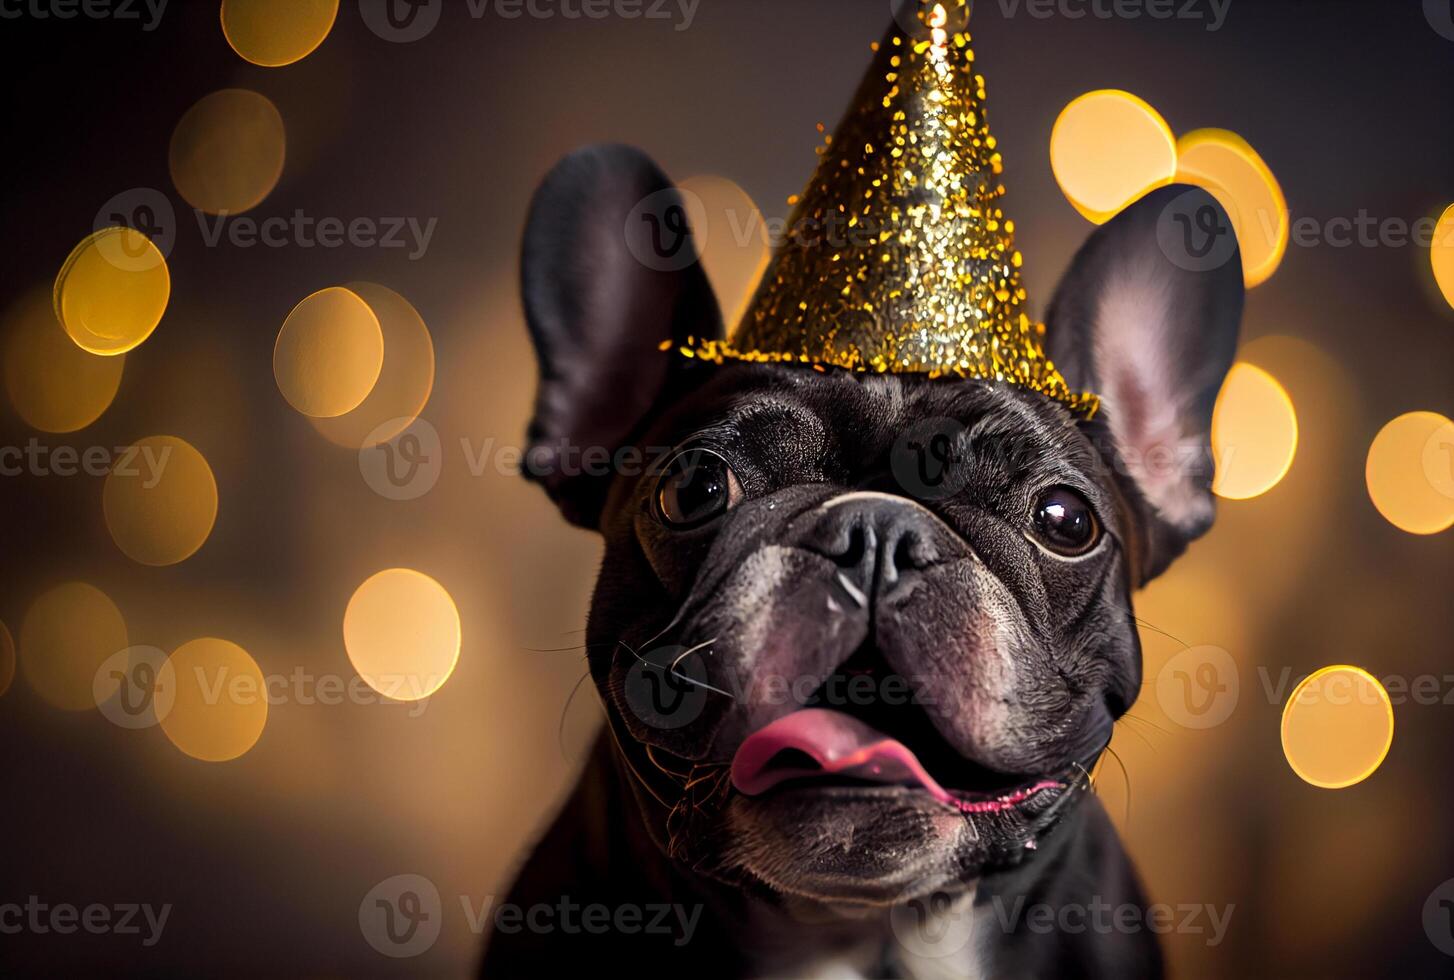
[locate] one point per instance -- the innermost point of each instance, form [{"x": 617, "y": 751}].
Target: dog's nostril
[
  {"x": 853, "y": 551},
  {"x": 904, "y": 559},
  {"x": 911, "y": 553}
]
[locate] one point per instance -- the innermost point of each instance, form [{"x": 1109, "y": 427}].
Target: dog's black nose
[{"x": 875, "y": 538}]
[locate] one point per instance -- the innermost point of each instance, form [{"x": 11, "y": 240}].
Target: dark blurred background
[{"x": 265, "y": 859}]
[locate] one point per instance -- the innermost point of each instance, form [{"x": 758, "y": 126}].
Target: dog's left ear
[
  {"x": 609, "y": 275},
  {"x": 1147, "y": 317}
]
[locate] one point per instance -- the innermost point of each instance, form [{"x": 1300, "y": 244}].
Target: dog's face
[{"x": 861, "y": 637}]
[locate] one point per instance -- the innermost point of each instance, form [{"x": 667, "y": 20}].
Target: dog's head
[{"x": 861, "y": 636}]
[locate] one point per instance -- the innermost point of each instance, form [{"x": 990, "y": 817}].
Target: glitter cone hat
[{"x": 897, "y": 257}]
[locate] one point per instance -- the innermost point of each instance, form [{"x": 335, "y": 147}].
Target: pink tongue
[{"x": 841, "y": 745}]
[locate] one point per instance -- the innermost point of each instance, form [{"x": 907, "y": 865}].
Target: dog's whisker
[
  {"x": 1141, "y": 736},
  {"x": 688, "y": 652},
  {"x": 560, "y": 726},
  {"x": 1145, "y": 721},
  {"x": 580, "y": 646},
  {"x": 651, "y": 754},
  {"x": 1126, "y": 776},
  {"x": 1156, "y": 629},
  {"x": 630, "y": 765},
  {"x": 717, "y": 690}
]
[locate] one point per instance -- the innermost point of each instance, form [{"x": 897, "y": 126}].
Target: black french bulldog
[{"x": 812, "y": 531}]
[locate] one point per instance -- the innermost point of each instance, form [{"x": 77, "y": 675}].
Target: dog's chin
[{"x": 881, "y": 845}]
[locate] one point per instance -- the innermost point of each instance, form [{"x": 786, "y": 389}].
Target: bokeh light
[
  {"x": 402, "y": 633},
  {"x": 53, "y": 384},
  {"x": 1108, "y": 148},
  {"x": 221, "y": 703},
  {"x": 1254, "y": 433},
  {"x": 160, "y": 501},
  {"x": 227, "y": 151},
  {"x": 65, "y": 637},
  {"x": 1337, "y": 727},
  {"x": 7, "y": 659},
  {"x": 112, "y": 291},
  {"x": 405, "y": 380},
  {"x": 732, "y": 240},
  {"x": 329, "y": 353},
  {"x": 1441, "y": 254},
  {"x": 1410, "y": 472},
  {"x": 273, "y": 33},
  {"x": 1225, "y": 165}
]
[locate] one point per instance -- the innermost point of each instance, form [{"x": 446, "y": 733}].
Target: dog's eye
[
  {"x": 698, "y": 485},
  {"x": 1065, "y": 523}
]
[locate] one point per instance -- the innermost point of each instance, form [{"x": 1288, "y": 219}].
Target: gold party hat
[{"x": 897, "y": 256}]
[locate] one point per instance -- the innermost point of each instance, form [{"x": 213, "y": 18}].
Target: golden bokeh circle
[
  {"x": 160, "y": 501},
  {"x": 1108, "y": 148},
  {"x": 227, "y": 151},
  {"x": 1410, "y": 472},
  {"x": 732, "y": 239},
  {"x": 329, "y": 353},
  {"x": 402, "y": 634},
  {"x": 273, "y": 33},
  {"x": 1226, "y": 166},
  {"x": 1441, "y": 254},
  {"x": 1337, "y": 727},
  {"x": 54, "y": 385},
  {"x": 7, "y": 659},
  {"x": 1254, "y": 433},
  {"x": 112, "y": 290},
  {"x": 220, "y": 705},
  {"x": 406, "y": 378},
  {"x": 65, "y": 637}
]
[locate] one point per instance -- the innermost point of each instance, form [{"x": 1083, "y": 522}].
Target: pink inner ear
[{"x": 1146, "y": 412}]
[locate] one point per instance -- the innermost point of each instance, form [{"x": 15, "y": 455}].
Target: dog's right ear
[{"x": 609, "y": 275}]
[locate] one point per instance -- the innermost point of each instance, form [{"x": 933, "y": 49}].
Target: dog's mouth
[
  {"x": 827, "y": 747},
  {"x": 874, "y": 741}
]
